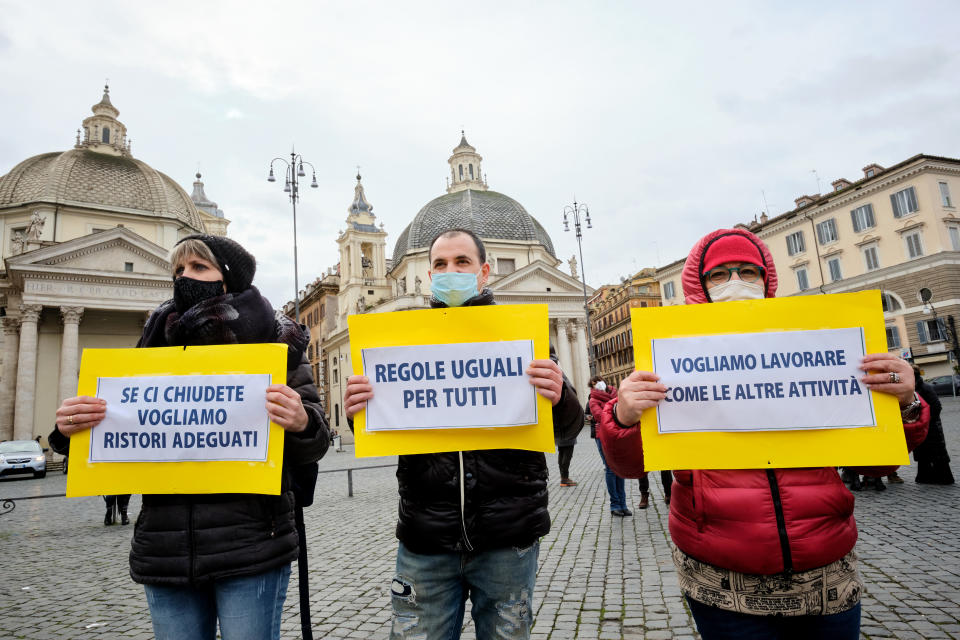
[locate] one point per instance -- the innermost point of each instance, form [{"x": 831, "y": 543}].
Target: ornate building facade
[
  {"x": 523, "y": 269},
  {"x": 85, "y": 238}
]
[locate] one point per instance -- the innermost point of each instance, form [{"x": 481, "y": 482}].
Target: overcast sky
[{"x": 667, "y": 119}]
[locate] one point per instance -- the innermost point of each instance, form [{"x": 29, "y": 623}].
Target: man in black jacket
[{"x": 470, "y": 521}]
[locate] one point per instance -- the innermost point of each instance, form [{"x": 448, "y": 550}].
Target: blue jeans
[
  {"x": 718, "y": 624},
  {"x": 615, "y": 484},
  {"x": 248, "y": 608},
  {"x": 429, "y": 593}
]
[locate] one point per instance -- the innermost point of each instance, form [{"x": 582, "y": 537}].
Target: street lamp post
[
  {"x": 294, "y": 171},
  {"x": 575, "y": 210}
]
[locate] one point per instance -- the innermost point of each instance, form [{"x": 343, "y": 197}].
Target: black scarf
[{"x": 233, "y": 318}]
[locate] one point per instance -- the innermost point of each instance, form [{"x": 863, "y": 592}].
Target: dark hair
[
  {"x": 594, "y": 380},
  {"x": 449, "y": 233}
]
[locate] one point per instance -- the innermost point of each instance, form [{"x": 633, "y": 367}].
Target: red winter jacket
[{"x": 758, "y": 521}]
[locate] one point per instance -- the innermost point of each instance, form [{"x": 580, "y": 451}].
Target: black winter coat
[
  {"x": 504, "y": 490},
  {"x": 189, "y": 540}
]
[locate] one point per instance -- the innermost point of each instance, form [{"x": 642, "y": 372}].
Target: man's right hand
[
  {"x": 639, "y": 391},
  {"x": 359, "y": 390},
  {"x": 77, "y": 414}
]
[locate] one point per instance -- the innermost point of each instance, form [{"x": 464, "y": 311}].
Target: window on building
[
  {"x": 870, "y": 173},
  {"x": 471, "y": 172},
  {"x": 506, "y": 265},
  {"x": 833, "y": 265},
  {"x": 870, "y": 257},
  {"x": 904, "y": 202},
  {"x": 945, "y": 194},
  {"x": 932, "y": 331},
  {"x": 336, "y": 415},
  {"x": 668, "y": 290},
  {"x": 128, "y": 267},
  {"x": 795, "y": 243},
  {"x": 889, "y": 302},
  {"x": 461, "y": 171},
  {"x": 954, "y": 232},
  {"x": 863, "y": 218},
  {"x": 827, "y": 231},
  {"x": 914, "y": 245},
  {"x": 105, "y": 135},
  {"x": 803, "y": 282},
  {"x": 893, "y": 338},
  {"x": 310, "y": 352}
]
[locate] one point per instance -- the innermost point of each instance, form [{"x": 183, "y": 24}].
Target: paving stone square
[{"x": 66, "y": 574}]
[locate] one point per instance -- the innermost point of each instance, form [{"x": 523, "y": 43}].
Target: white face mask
[
  {"x": 737, "y": 290},
  {"x": 600, "y": 386}
]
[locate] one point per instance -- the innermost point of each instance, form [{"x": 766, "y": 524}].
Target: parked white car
[{"x": 22, "y": 456}]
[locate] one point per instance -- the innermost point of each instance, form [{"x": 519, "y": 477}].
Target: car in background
[
  {"x": 22, "y": 456},
  {"x": 942, "y": 385}
]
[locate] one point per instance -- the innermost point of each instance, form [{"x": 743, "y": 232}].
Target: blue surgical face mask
[{"x": 453, "y": 288}]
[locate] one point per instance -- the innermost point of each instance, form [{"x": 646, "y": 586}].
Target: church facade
[
  {"x": 84, "y": 240},
  {"x": 523, "y": 270}
]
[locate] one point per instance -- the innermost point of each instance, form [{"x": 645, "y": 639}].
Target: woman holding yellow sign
[
  {"x": 760, "y": 553},
  {"x": 224, "y": 558}
]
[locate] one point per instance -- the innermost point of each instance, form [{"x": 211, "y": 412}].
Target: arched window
[
  {"x": 471, "y": 172},
  {"x": 106, "y": 134},
  {"x": 461, "y": 171},
  {"x": 890, "y": 302}
]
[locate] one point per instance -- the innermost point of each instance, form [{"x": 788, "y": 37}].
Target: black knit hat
[{"x": 237, "y": 264}]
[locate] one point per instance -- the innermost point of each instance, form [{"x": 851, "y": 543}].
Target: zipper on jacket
[
  {"x": 781, "y": 522},
  {"x": 463, "y": 506}
]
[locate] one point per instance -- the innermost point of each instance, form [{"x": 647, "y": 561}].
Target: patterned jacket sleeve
[
  {"x": 622, "y": 446},
  {"x": 915, "y": 433}
]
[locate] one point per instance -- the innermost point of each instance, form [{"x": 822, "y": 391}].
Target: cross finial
[{"x": 358, "y": 173}]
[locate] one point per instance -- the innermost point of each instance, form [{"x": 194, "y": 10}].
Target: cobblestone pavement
[{"x": 65, "y": 574}]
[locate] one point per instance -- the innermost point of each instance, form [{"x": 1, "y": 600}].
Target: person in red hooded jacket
[{"x": 760, "y": 553}]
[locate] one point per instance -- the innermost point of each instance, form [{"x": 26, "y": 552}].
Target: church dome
[
  {"x": 99, "y": 173},
  {"x": 491, "y": 215},
  {"x": 469, "y": 204},
  {"x": 86, "y": 178}
]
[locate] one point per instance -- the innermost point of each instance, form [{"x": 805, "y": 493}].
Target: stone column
[
  {"x": 563, "y": 347},
  {"x": 583, "y": 361},
  {"x": 68, "y": 351},
  {"x": 26, "y": 372},
  {"x": 8, "y": 377}
]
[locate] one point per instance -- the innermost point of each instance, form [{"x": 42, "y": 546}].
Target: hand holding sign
[
  {"x": 639, "y": 391},
  {"x": 883, "y": 364},
  {"x": 285, "y": 408},
  {"x": 79, "y": 413},
  {"x": 546, "y": 377},
  {"x": 358, "y": 391}
]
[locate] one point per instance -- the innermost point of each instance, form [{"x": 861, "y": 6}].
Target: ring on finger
[
  {"x": 69, "y": 419},
  {"x": 894, "y": 377}
]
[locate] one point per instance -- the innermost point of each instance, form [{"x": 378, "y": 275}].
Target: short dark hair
[
  {"x": 594, "y": 380},
  {"x": 449, "y": 233}
]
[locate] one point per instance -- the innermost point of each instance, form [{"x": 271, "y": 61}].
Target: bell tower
[
  {"x": 363, "y": 257},
  {"x": 465, "y": 172},
  {"x": 102, "y": 132}
]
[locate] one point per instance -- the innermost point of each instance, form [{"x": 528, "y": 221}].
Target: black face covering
[{"x": 188, "y": 292}]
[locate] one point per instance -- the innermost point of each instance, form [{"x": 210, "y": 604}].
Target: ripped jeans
[{"x": 429, "y": 593}]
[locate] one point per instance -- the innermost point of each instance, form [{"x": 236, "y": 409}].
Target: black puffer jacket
[
  {"x": 182, "y": 540},
  {"x": 504, "y": 490}
]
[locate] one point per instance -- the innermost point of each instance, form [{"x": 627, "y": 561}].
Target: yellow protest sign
[
  {"x": 180, "y": 420},
  {"x": 444, "y": 388},
  {"x": 788, "y": 417}
]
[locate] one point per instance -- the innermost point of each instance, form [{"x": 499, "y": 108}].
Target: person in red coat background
[{"x": 760, "y": 553}]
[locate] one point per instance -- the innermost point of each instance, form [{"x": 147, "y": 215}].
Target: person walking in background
[
  {"x": 564, "y": 457},
  {"x": 600, "y": 395},
  {"x": 933, "y": 461},
  {"x": 756, "y": 548},
  {"x": 116, "y": 504}
]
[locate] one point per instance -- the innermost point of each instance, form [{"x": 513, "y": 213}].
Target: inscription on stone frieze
[{"x": 84, "y": 290}]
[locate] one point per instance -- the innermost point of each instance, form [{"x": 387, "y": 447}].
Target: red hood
[{"x": 692, "y": 287}]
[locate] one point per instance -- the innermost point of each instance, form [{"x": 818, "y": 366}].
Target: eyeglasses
[{"x": 747, "y": 273}]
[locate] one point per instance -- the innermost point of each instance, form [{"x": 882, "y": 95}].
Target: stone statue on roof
[
  {"x": 573, "y": 265},
  {"x": 36, "y": 227}
]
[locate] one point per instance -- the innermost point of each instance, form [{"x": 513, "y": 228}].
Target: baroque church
[
  {"x": 86, "y": 234},
  {"x": 523, "y": 270}
]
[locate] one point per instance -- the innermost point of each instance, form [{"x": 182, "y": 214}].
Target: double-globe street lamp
[
  {"x": 575, "y": 211},
  {"x": 294, "y": 171}
]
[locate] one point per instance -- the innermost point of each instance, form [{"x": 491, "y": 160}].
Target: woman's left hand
[
  {"x": 285, "y": 408},
  {"x": 879, "y": 367}
]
